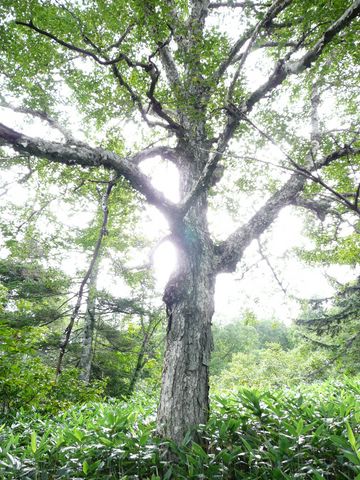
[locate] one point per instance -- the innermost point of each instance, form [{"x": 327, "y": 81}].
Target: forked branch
[
  {"x": 283, "y": 68},
  {"x": 101, "y": 57}
]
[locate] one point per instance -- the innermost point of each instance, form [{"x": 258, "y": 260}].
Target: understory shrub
[
  {"x": 27, "y": 383},
  {"x": 312, "y": 433}
]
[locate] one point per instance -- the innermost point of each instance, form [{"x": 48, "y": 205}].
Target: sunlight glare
[
  {"x": 164, "y": 262},
  {"x": 164, "y": 176}
]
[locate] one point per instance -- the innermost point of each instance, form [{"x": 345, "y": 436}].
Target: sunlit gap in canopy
[{"x": 165, "y": 177}]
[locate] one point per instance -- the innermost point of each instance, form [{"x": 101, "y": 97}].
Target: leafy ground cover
[{"x": 310, "y": 432}]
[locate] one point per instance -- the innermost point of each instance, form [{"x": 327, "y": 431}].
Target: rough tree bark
[{"x": 189, "y": 300}]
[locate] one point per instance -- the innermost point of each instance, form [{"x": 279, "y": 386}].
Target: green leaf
[
  {"x": 168, "y": 474},
  {"x": 351, "y": 437},
  {"x": 105, "y": 441},
  {"x": 85, "y": 467},
  {"x": 33, "y": 442}
]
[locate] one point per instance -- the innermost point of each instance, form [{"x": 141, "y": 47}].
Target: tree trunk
[
  {"x": 89, "y": 328},
  {"x": 184, "y": 401},
  {"x": 141, "y": 360},
  {"x": 189, "y": 300}
]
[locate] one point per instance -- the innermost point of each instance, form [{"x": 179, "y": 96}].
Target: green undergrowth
[{"x": 311, "y": 433}]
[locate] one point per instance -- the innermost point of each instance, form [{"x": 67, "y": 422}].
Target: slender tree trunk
[
  {"x": 89, "y": 329},
  {"x": 139, "y": 366},
  {"x": 141, "y": 360},
  {"x": 135, "y": 375},
  {"x": 93, "y": 265}
]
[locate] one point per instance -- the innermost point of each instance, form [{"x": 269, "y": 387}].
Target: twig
[{"x": 265, "y": 258}]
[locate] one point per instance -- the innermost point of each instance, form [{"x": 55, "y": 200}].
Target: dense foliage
[
  {"x": 38, "y": 299},
  {"x": 310, "y": 433}
]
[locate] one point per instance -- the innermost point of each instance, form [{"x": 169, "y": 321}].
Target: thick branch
[
  {"x": 156, "y": 105},
  {"x": 231, "y": 250},
  {"x": 310, "y": 162},
  {"x": 169, "y": 65},
  {"x": 342, "y": 152},
  {"x": 86, "y": 156},
  {"x": 310, "y": 56},
  {"x": 205, "y": 179},
  {"x": 164, "y": 152},
  {"x": 285, "y": 68},
  {"x": 341, "y": 198},
  {"x": 320, "y": 208}
]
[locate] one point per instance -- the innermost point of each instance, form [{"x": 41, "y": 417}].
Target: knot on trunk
[{"x": 175, "y": 290}]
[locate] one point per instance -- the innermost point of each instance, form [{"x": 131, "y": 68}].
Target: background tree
[
  {"x": 39, "y": 300},
  {"x": 333, "y": 324},
  {"x": 246, "y": 335},
  {"x": 172, "y": 67}
]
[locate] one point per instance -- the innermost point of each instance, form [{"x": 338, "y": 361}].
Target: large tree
[{"x": 172, "y": 67}]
